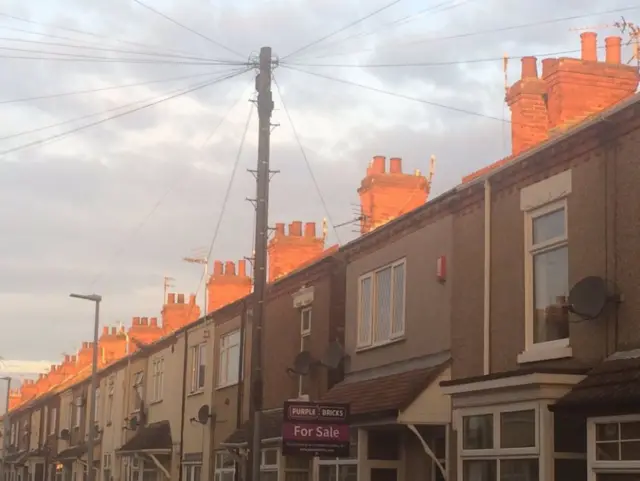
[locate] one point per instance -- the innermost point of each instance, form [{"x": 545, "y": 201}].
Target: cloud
[{"x": 113, "y": 208}]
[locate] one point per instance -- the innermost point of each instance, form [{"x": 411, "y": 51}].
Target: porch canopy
[
  {"x": 154, "y": 438},
  {"x": 72, "y": 454},
  {"x": 17, "y": 457},
  {"x": 611, "y": 388},
  {"x": 270, "y": 432}
]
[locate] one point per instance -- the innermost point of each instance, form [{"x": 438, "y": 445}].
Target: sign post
[{"x": 315, "y": 429}]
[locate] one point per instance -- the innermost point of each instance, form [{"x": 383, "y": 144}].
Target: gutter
[
  {"x": 487, "y": 279},
  {"x": 184, "y": 400}
]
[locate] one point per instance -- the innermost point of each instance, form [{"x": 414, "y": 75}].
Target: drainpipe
[
  {"x": 184, "y": 399},
  {"x": 487, "y": 279}
]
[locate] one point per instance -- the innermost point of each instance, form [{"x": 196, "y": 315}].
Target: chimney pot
[
  {"x": 613, "y": 49},
  {"x": 229, "y": 268},
  {"x": 310, "y": 229},
  {"x": 67, "y": 358},
  {"x": 114, "y": 331},
  {"x": 180, "y": 299},
  {"x": 547, "y": 65},
  {"x": 395, "y": 165},
  {"x": 171, "y": 298},
  {"x": 53, "y": 368},
  {"x": 74, "y": 359},
  {"x": 192, "y": 299},
  {"x": 295, "y": 228},
  {"x": 529, "y": 68},
  {"x": 218, "y": 268},
  {"x": 105, "y": 331},
  {"x": 242, "y": 268},
  {"x": 378, "y": 164},
  {"x": 144, "y": 321},
  {"x": 136, "y": 320},
  {"x": 589, "y": 46},
  {"x": 153, "y": 321},
  {"x": 280, "y": 228}
]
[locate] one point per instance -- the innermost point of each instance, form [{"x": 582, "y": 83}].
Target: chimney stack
[
  {"x": 613, "y": 48},
  {"x": 228, "y": 286},
  {"x": 178, "y": 314},
  {"x": 288, "y": 252},
  {"x": 589, "y": 46}
]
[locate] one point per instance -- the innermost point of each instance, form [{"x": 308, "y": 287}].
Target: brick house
[{"x": 526, "y": 231}]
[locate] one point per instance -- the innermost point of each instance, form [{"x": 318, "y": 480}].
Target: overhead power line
[
  {"x": 95, "y": 114},
  {"x": 138, "y": 227},
  {"x": 481, "y": 32},
  {"x": 104, "y": 49},
  {"x": 398, "y": 95},
  {"x": 195, "y": 32},
  {"x": 306, "y": 161},
  {"x": 342, "y": 29},
  {"x": 98, "y": 122},
  {"x": 82, "y": 32}
]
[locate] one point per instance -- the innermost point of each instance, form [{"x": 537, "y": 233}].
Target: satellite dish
[
  {"x": 133, "y": 423},
  {"x": 588, "y": 297},
  {"x": 302, "y": 363},
  {"x": 333, "y": 356},
  {"x": 203, "y": 414},
  {"x": 64, "y": 435}
]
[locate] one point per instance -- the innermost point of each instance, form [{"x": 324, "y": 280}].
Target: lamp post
[
  {"x": 95, "y": 298},
  {"x": 6, "y": 428},
  {"x": 203, "y": 261}
]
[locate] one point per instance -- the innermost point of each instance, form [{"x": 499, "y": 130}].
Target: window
[
  {"x": 269, "y": 464},
  {"x": 111, "y": 387},
  {"x": 225, "y": 467},
  {"x": 157, "y": 379},
  {"x": 296, "y": 468},
  {"x": 53, "y": 418},
  {"x": 305, "y": 322},
  {"x": 106, "y": 467},
  {"x": 381, "y": 305},
  {"x": 548, "y": 275},
  {"x": 192, "y": 472},
  {"x": 614, "y": 447},
  {"x": 305, "y": 345},
  {"x": 500, "y": 445},
  {"x": 13, "y": 434},
  {"x": 340, "y": 469},
  {"x": 198, "y": 364},
  {"x": 77, "y": 412},
  {"x": 138, "y": 390},
  {"x": 229, "y": 365},
  {"x": 96, "y": 408}
]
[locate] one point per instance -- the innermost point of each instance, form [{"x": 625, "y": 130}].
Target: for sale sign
[{"x": 315, "y": 429}]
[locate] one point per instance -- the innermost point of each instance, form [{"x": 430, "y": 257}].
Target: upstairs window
[
  {"x": 381, "y": 305},
  {"x": 158, "y": 379},
  {"x": 198, "y": 367},
  {"x": 229, "y": 364}
]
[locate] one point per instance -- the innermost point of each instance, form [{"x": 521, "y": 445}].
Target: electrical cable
[
  {"x": 104, "y": 49},
  {"x": 82, "y": 32},
  {"x": 483, "y": 32},
  {"x": 401, "y": 96},
  {"x": 165, "y": 194},
  {"x": 195, "y": 32},
  {"x": 102, "y": 89},
  {"x": 341, "y": 29},
  {"x": 306, "y": 161},
  {"x": 102, "y": 112},
  {"x": 98, "y": 122},
  {"x": 80, "y": 57},
  {"x": 385, "y": 27}
]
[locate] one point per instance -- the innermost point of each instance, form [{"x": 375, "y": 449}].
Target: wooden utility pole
[{"x": 262, "y": 174}]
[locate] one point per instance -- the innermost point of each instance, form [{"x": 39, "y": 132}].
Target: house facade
[{"x": 536, "y": 240}]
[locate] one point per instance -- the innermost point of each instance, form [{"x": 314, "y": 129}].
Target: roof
[
  {"x": 74, "y": 452},
  {"x": 611, "y": 387},
  {"x": 382, "y": 394},
  {"x": 270, "y": 428},
  {"x": 154, "y": 436}
]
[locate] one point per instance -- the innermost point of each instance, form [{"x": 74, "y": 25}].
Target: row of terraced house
[{"x": 490, "y": 333}]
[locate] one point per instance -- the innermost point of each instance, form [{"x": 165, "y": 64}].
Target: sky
[{"x": 114, "y": 207}]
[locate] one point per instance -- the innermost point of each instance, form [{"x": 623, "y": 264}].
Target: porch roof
[
  {"x": 612, "y": 387},
  {"x": 152, "y": 437},
  {"x": 386, "y": 393},
  {"x": 74, "y": 452},
  {"x": 270, "y": 424}
]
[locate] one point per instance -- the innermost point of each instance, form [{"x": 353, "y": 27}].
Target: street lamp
[
  {"x": 203, "y": 261},
  {"x": 95, "y": 298},
  {"x": 6, "y": 428}
]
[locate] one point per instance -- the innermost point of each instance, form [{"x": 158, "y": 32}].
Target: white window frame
[
  {"x": 336, "y": 463},
  {"x": 393, "y": 337},
  {"x": 188, "y": 471},
  {"x": 157, "y": 384},
  {"x": 497, "y": 454},
  {"x": 305, "y": 332},
  {"x": 96, "y": 407},
  {"x": 77, "y": 411},
  {"x": 227, "y": 342},
  {"x": 218, "y": 471},
  {"x": 138, "y": 390},
  {"x": 53, "y": 415},
  {"x": 198, "y": 356},
  {"x": 111, "y": 389},
  {"x": 559, "y": 348},
  {"x": 594, "y": 466},
  {"x": 263, "y": 456},
  {"x": 107, "y": 472}
]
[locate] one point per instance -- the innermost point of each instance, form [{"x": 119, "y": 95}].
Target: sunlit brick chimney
[
  {"x": 28, "y": 390},
  {"x": 387, "y": 195},
  {"x": 112, "y": 343},
  {"x": 85, "y": 355},
  {"x": 227, "y": 284},
  {"x": 145, "y": 330},
  {"x": 290, "y": 250},
  {"x": 177, "y": 313},
  {"x": 14, "y": 398},
  {"x": 55, "y": 375}
]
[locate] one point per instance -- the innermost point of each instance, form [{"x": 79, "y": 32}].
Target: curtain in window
[
  {"x": 382, "y": 331},
  {"x": 364, "y": 329},
  {"x": 397, "y": 327}
]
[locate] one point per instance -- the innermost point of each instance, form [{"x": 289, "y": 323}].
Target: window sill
[
  {"x": 225, "y": 386},
  {"x": 379, "y": 344},
  {"x": 157, "y": 401},
  {"x": 196, "y": 393},
  {"x": 546, "y": 352}
]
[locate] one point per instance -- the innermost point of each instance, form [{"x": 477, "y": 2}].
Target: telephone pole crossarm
[{"x": 262, "y": 174}]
